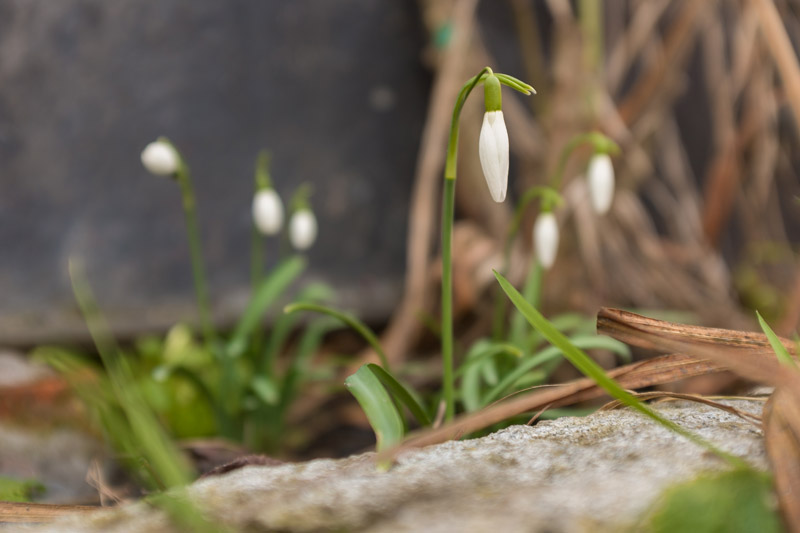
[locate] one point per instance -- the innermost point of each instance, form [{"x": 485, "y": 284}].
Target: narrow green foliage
[
  {"x": 584, "y": 342},
  {"x": 736, "y": 501},
  {"x": 362, "y": 329},
  {"x": 266, "y": 294},
  {"x": 591, "y": 369},
  {"x": 404, "y": 395},
  {"x": 153, "y": 444},
  {"x": 19, "y": 490},
  {"x": 183, "y": 513},
  {"x": 378, "y": 406},
  {"x": 780, "y": 350}
]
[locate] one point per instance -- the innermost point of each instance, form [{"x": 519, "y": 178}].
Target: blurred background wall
[
  {"x": 355, "y": 97},
  {"x": 335, "y": 90}
]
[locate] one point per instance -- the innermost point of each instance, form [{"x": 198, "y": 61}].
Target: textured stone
[{"x": 598, "y": 473}]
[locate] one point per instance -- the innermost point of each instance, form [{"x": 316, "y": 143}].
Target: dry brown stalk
[
  {"x": 774, "y": 33},
  {"x": 676, "y": 45},
  {"x": 665, "y": 395},
  {"x": 14, "y": 512},
  {"x": 656, "y": 371},
  {"x": 782, "y": 441}
]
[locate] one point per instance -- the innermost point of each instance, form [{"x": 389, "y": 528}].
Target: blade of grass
[
  {"x": 529, "y": 363},
  {"x": 377, "y": 405},
  {"x": 481, "y": 351},
  {"x": 659, "y": 370},
  {"x": 591, "y": 369},
  {"x": 151, "y": 440},
  {"x": 350, "y": 320},
  {"x": 405, "y": 395},
  {"x": 266, "y": 293},
  {"x": 298, "y": 367},
  {"x": 780, "y": 350},
  {"x": 284, "y": 324}
]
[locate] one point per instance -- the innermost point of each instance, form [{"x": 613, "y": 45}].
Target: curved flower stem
[
  {"x": 448, "y": 212},
  {"x": 261, "y": 180},
  {"x": 198, "y": 272}
]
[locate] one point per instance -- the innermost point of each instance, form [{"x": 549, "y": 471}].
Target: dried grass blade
[
  {"x": 664, "y": 369},
  {"x": 747, "y": 354},
  {"x": 30, "y": 513},
  {"x": 646, "y": 396}
]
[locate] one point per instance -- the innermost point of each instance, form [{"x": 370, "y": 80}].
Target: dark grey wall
[{"x": 334, "y": 89}]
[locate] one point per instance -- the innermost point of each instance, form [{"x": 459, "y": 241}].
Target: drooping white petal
[
  {"x": 303, "y": 229},
  {"x": 493, "y": 152},
  {"x": 600, "y": 176},
  {"x": 268, "y": 211},
  {"x": 160, "y": 158},
  {"x": 545, "y": 239}
]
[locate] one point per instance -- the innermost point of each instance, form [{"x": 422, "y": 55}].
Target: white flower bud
[
  {"x": 302, "y": 229},
  {"x": 268, "y": 211},
  {"x": 160, "y": 158},
  {"x": 600, "y": 176},
  {"x": 493, "y": 152},
  {"x": 545, "y": 239}
]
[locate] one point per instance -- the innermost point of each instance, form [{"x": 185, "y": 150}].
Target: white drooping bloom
[
  {"x": 493, "y": 152},
  {"x": 545, "y": 239},
  {"x": 160, "y": 158},
  {"x": 303, "y": 229},
  {"x": 600, "y": 176},
  {"x": 268, "y": 211}
]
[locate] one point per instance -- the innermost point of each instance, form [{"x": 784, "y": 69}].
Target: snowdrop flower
[
  {"x": 600, "y": 176},
  {"x": 303, "y": 229},
  {"x": 160, "y": 158},
  {"x": 268, "y": 211},
  {"x": 545, "y": 239},
  {"x": 493, "y": 142}
]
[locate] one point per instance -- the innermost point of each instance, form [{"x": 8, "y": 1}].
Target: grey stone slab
[
  {"x": 595, "y": 474},
  {"x": 334, "y": 89}
]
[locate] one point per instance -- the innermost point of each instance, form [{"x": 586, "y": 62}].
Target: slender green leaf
[
  {"x": 585, "y": 342},
  {"x": 780, "y": 350},
  {"x": 377, "y": 405},
  {"x": 737, "y": 501},
  {"x": 168, "y": 463},
  {"x": 350, "y": 320},
  {"x": 482, "y": 350},
  {"x": 19, "y": 490},
  {"x": 285, "y": 323},
  {"x": 591, "y": 369},
  {"x": 265, "y": 295},
  {"x": 266, "y": 389},
  {"x": 298, "y": 368},
  {"x": 404, "y": 394}
]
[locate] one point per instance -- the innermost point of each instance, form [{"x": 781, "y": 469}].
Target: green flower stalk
[
  {"x": 493, "y": 151},
  {"x": 163, "y": 159}
]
